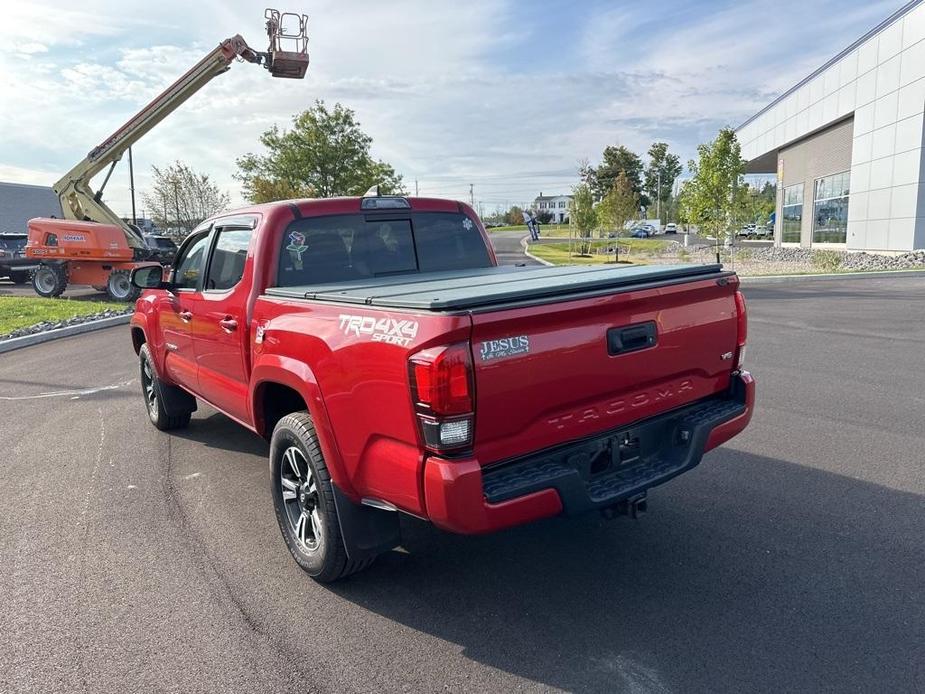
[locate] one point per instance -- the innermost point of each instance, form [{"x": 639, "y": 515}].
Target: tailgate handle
[{"x": 631, "y": 338}]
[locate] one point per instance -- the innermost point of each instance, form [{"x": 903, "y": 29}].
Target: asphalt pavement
[
  {"x": 791, "y": 559},
  {"x": 508, "y": 248}
]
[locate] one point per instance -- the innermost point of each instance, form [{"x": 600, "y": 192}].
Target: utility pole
[
  {"x": 415, "y": 187},
  {"x": 131, "y": 184},
  {"x": 471, "y": 196}
]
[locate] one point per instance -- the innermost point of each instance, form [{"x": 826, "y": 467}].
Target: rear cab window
[{"x": 339, "y": 248}]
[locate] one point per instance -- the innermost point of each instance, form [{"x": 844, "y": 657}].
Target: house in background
[
  {"x": 20, "y": 202},
  {"x": 556, "y": 205}
]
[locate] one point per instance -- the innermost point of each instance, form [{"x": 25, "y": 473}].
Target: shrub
[{"x": 827, "y": 261}]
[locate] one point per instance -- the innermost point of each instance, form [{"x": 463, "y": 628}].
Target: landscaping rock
[{"x": 45, "y": 326}]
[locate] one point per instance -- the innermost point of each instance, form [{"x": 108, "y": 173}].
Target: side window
[
  {"x": 227, "y": 264},
  {"x": 189, "y": 266}
]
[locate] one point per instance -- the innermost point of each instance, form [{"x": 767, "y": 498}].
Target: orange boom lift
[{"x": 92, "y": 245}]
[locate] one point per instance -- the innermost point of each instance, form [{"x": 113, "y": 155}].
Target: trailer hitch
[{"x": 632, "y": 507}]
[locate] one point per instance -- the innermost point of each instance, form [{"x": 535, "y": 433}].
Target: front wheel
[
  {"x": 153, "y": 391},
  {"x": 119, "y": 286},
  {"x": 49, "y": 281},
  {"x": 303, "y": 498}
]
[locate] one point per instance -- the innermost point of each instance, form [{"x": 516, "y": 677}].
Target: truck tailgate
[{"x": 554, "y": 372}]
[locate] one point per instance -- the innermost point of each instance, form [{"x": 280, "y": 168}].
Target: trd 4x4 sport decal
[{"x": 389, "y": 330}]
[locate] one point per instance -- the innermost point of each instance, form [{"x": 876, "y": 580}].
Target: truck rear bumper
[{"x": 596, "y": 472}]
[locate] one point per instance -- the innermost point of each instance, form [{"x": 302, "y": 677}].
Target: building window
[
  {"x": 792, "y": 214},
  {"x": 561, "y": 204},
  {"x": 830, "y": 208}
]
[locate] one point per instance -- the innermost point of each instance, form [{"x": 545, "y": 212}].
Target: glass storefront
[
  {"x": 830, "y": 208},
  {"x": 792, "y": 213}
]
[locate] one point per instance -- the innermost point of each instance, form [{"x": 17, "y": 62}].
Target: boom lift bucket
[{"x": 288, "y": 50}]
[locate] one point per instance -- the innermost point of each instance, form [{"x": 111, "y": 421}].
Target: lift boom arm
[{"x": 79, "y": 202}]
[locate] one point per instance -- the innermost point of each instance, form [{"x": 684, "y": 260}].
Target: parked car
[
  {"x": 13, "y": 261},
  {"x": 641, "y": 233},
  {"x": 671, "y": 228},
  {"x": 163, "y": 248},
  {"x": 394, "y": 367}
]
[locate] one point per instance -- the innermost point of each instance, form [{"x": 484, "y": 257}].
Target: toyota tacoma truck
[{"x": 394, "y": 367}]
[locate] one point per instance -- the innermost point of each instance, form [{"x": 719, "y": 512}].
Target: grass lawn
[
  {"x": 631, "y": 250},
  {"x": 22, "y": 311}
]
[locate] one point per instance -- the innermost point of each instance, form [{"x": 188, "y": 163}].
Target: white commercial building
[{"x": 847, "y": 144}]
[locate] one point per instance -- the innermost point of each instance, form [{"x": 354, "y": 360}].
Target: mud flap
[
  {"x": 175, "y": 400},
  {"x": 367, "y": 531}
]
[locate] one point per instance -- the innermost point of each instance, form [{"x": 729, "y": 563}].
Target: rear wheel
[
  {"x": 119, "y": 286},
  {"x": 153, "y": 391},
  {"x": 49, "y": 280},
  {"x": 303, "y": 497}
]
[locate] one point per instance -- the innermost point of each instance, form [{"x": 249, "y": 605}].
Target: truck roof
[
  {"x": 492, "y": 287},
  {"x": 307, "y": 207}
]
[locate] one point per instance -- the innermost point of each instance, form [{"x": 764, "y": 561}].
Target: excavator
[{"x": 92, "y": 245}]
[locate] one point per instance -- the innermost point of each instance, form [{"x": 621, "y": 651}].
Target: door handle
[
  {"x": 186, "y": 316},
  {"x": 228, "y": 324}
]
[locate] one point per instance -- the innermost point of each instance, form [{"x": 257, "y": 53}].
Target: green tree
[
  {"x": 514, "y": 216},
  {"x": 664, "y": 167},
  {"x": 614, "y": 161},
  {"x": 619, "y": 205},
  {"x": 713, "y": 196},
  {"x": 181, "y": 198},
  {"x": 583, "y": 215},
  {"x": 324, "y": 154}
]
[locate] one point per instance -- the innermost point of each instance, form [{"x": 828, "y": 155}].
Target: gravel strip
[{"x": 45, "y": 326}]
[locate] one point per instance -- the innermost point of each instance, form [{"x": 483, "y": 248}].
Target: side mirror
[{"x": 148, "y": 277}]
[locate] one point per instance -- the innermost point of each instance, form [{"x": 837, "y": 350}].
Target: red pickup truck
[{"x": 395, "y": 367}]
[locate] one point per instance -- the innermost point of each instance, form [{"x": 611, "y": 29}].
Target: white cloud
[{"x": 424, "y": 78}]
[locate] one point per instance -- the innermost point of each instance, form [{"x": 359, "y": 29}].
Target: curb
[
  {"x": 68, "y": 331},
  {"x": 780, "y": 279},
  {"x": 523, "y": 243}
]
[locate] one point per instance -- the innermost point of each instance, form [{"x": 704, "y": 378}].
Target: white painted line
[{"x": 73, "y": 394}]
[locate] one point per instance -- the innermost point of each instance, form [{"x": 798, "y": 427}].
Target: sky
[{"x": 506, "y": 95}]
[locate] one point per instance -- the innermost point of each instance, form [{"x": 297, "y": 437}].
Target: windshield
[
  {"x": 13, "y": 243},
  {"x": 320, "y": 250}
]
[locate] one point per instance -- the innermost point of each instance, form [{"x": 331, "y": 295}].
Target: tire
[
  {"x": 49, "y": 280},
  {"x": 119, "y": 286},
  {"x": 20, "y": 276},
  {"x": 152, "y": 389},
  {"x": 303, "y": 498}
]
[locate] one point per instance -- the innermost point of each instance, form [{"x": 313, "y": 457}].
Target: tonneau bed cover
[{"x": 488, "y": 287}]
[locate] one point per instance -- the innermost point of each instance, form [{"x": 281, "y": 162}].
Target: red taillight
[
  {"x": 441, "y": 387},
  {"x": 741, "y": 328},
  {"x": 441, "y": 379}
]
